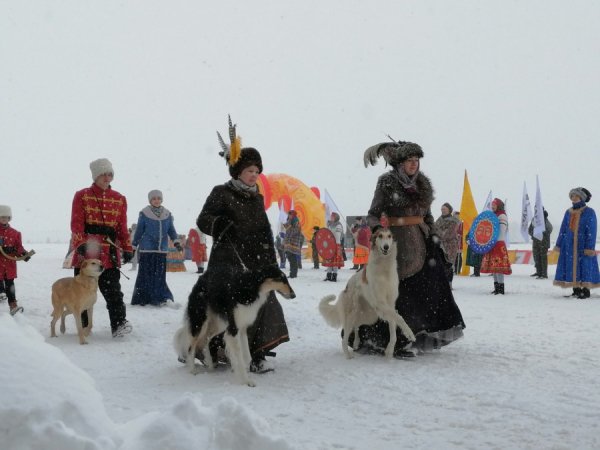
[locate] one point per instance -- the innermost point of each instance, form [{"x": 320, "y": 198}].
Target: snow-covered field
[{"x": 524, "y": 377}]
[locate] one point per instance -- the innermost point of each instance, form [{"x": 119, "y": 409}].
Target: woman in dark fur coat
[
  {"x": 234, "y": 215},
  {"x": 402, "y": 201}
]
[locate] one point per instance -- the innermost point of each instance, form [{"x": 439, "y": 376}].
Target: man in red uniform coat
[{"x": 99, "y": 230}]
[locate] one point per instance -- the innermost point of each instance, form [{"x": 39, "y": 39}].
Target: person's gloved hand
[
  {"x": 27, "y": 258},
  {"x": 82, "y": 249},
  {"x": 128, "y": 256},
  {"x": 221, "y": 226},
  {"x": 178, "y": 246},
  {"x": 8, "y": 249}
]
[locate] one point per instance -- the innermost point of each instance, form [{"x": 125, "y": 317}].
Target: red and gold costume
[{"x": 97, "y": 215}]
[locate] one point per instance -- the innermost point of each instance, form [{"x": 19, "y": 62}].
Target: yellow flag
[{"x": 468, "y": 213}]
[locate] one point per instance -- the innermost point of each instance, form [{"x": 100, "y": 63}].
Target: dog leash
[
  {"x": 244, "y": 268},
  {"x": 110, "y": 241}
]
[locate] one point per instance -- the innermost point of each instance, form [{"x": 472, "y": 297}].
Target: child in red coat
[{"x": 11, "y": 251}]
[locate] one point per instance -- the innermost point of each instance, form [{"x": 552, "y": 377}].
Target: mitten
[{"x": 128, "y": 256}]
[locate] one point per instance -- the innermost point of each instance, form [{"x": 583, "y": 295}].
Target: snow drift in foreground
[{"x": 49, "y": 403}]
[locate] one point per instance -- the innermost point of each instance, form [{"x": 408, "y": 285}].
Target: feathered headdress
[
  {"x": 233, "y": 151},
  {"x": 393, "y": 152}
]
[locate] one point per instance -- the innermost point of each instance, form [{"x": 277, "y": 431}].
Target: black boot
[
  {"x": 500, "y": 288},
  {"x": 495, "y": 291},
  {"x": 584, "y": 293},
  {"x": 576, "y": 292},
  {"x": 333, "y": 277},
  {"x": 328, "y": 278}
]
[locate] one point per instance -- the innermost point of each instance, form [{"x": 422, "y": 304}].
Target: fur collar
[{"x": 423, "y": 197}]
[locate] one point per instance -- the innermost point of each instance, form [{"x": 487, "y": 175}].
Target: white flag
[
  {"x": 282, "y": 212},
  {"x": 526, "y": 214},
  {"x": 330, "y": 206},
  {"x": 488, "y": 203},
  {"x": 539, "y": 224}
]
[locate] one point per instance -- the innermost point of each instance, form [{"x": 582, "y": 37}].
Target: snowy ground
[{"x": 524, "y": 377}]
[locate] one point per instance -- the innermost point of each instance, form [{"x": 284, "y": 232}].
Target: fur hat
[
  {"x": 236, "y": 157},
  {"x": 582, "y": 193},
  {"x": 393, "y": 153},
  {"x": 5, "y": 211},
  {"x": 449, "y": 206},
  {"x": 101, "y": 166},
  {"x": 248, "y": 157},
  {"x": 154, "y": 193}
]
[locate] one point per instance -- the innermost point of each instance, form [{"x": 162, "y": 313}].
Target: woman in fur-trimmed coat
[
  {"x": 154, "y": 226},
  {"x": 446, "y": 228},
  {"x": 403, "y": 196},
  {"x": 234, "y": 215},
  {"x": 577, "y": 265}
]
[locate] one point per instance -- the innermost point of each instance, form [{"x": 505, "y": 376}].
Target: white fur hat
[
  {"x": 101, "y": 166},
  {"x": 5, "y": 211}
]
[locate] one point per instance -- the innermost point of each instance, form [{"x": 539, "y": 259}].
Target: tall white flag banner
[
  {"x": 282, "y": 212},
  {"x": 330, "y": 206},
  {"x": 487, "y": 206},
  {"x": 539, "y": 224},
  {"x": 526, "y": 214}
]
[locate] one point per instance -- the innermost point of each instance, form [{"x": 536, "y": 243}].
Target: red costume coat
[
  {"x": 197, "y": 245},
  {"x": 96, "y": 215},
  {"x": 9, "y": 237}
]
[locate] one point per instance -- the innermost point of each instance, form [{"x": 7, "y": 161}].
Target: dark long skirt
[
  {"x": 151, "y": 282},
  {"x": 426, "y": 302}
]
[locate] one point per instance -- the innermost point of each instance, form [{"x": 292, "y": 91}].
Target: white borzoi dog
[
  {"x": 215, "y": 307},
  {"x": 370, "y": 294}
]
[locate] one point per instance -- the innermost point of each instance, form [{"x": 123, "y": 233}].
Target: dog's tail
[
  {"x": 329, "y": 311},
  {"x": 182, "y": 341}
]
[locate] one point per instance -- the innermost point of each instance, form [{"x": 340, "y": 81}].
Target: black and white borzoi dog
[
  {"x": 215, "y": 307},
  {"x": 370, "y": 294}
]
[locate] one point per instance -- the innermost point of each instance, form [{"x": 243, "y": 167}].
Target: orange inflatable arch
[{"x": 278, "y": 187}]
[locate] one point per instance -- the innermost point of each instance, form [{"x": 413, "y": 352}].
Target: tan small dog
[{"x": 73, "y": 295}]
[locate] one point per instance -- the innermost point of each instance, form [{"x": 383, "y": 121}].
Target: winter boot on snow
[
  {"x": 576, "y": 292},
  {"x": 333, "y": 277},
  {"x": 495, "y": 291},
  {"x": 500, "y": 288},
  {"x": 328, "y": 278},
  {"x": 584, "y": 293},
  {"x": 14, "y": 308}
]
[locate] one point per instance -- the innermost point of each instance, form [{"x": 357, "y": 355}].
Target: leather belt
[{"x": 403, "y": 221}]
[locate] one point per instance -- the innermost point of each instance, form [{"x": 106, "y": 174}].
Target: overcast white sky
[{"x": 504, "y": 89}]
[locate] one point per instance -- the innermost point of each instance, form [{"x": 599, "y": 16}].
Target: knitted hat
[
  {"x": 101, "y": 166},
  {"x": 393, "y": 153},
  {"x": 5, "y": 211},
  {"x": 582, "y": 193},
  {"x": 154, "y": 193},
  {"x": 449, "y": 206}
]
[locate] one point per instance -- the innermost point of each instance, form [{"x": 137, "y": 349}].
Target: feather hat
[
  {"x": 236, "y": 157},
  {"x": 393, "y": 152}
]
